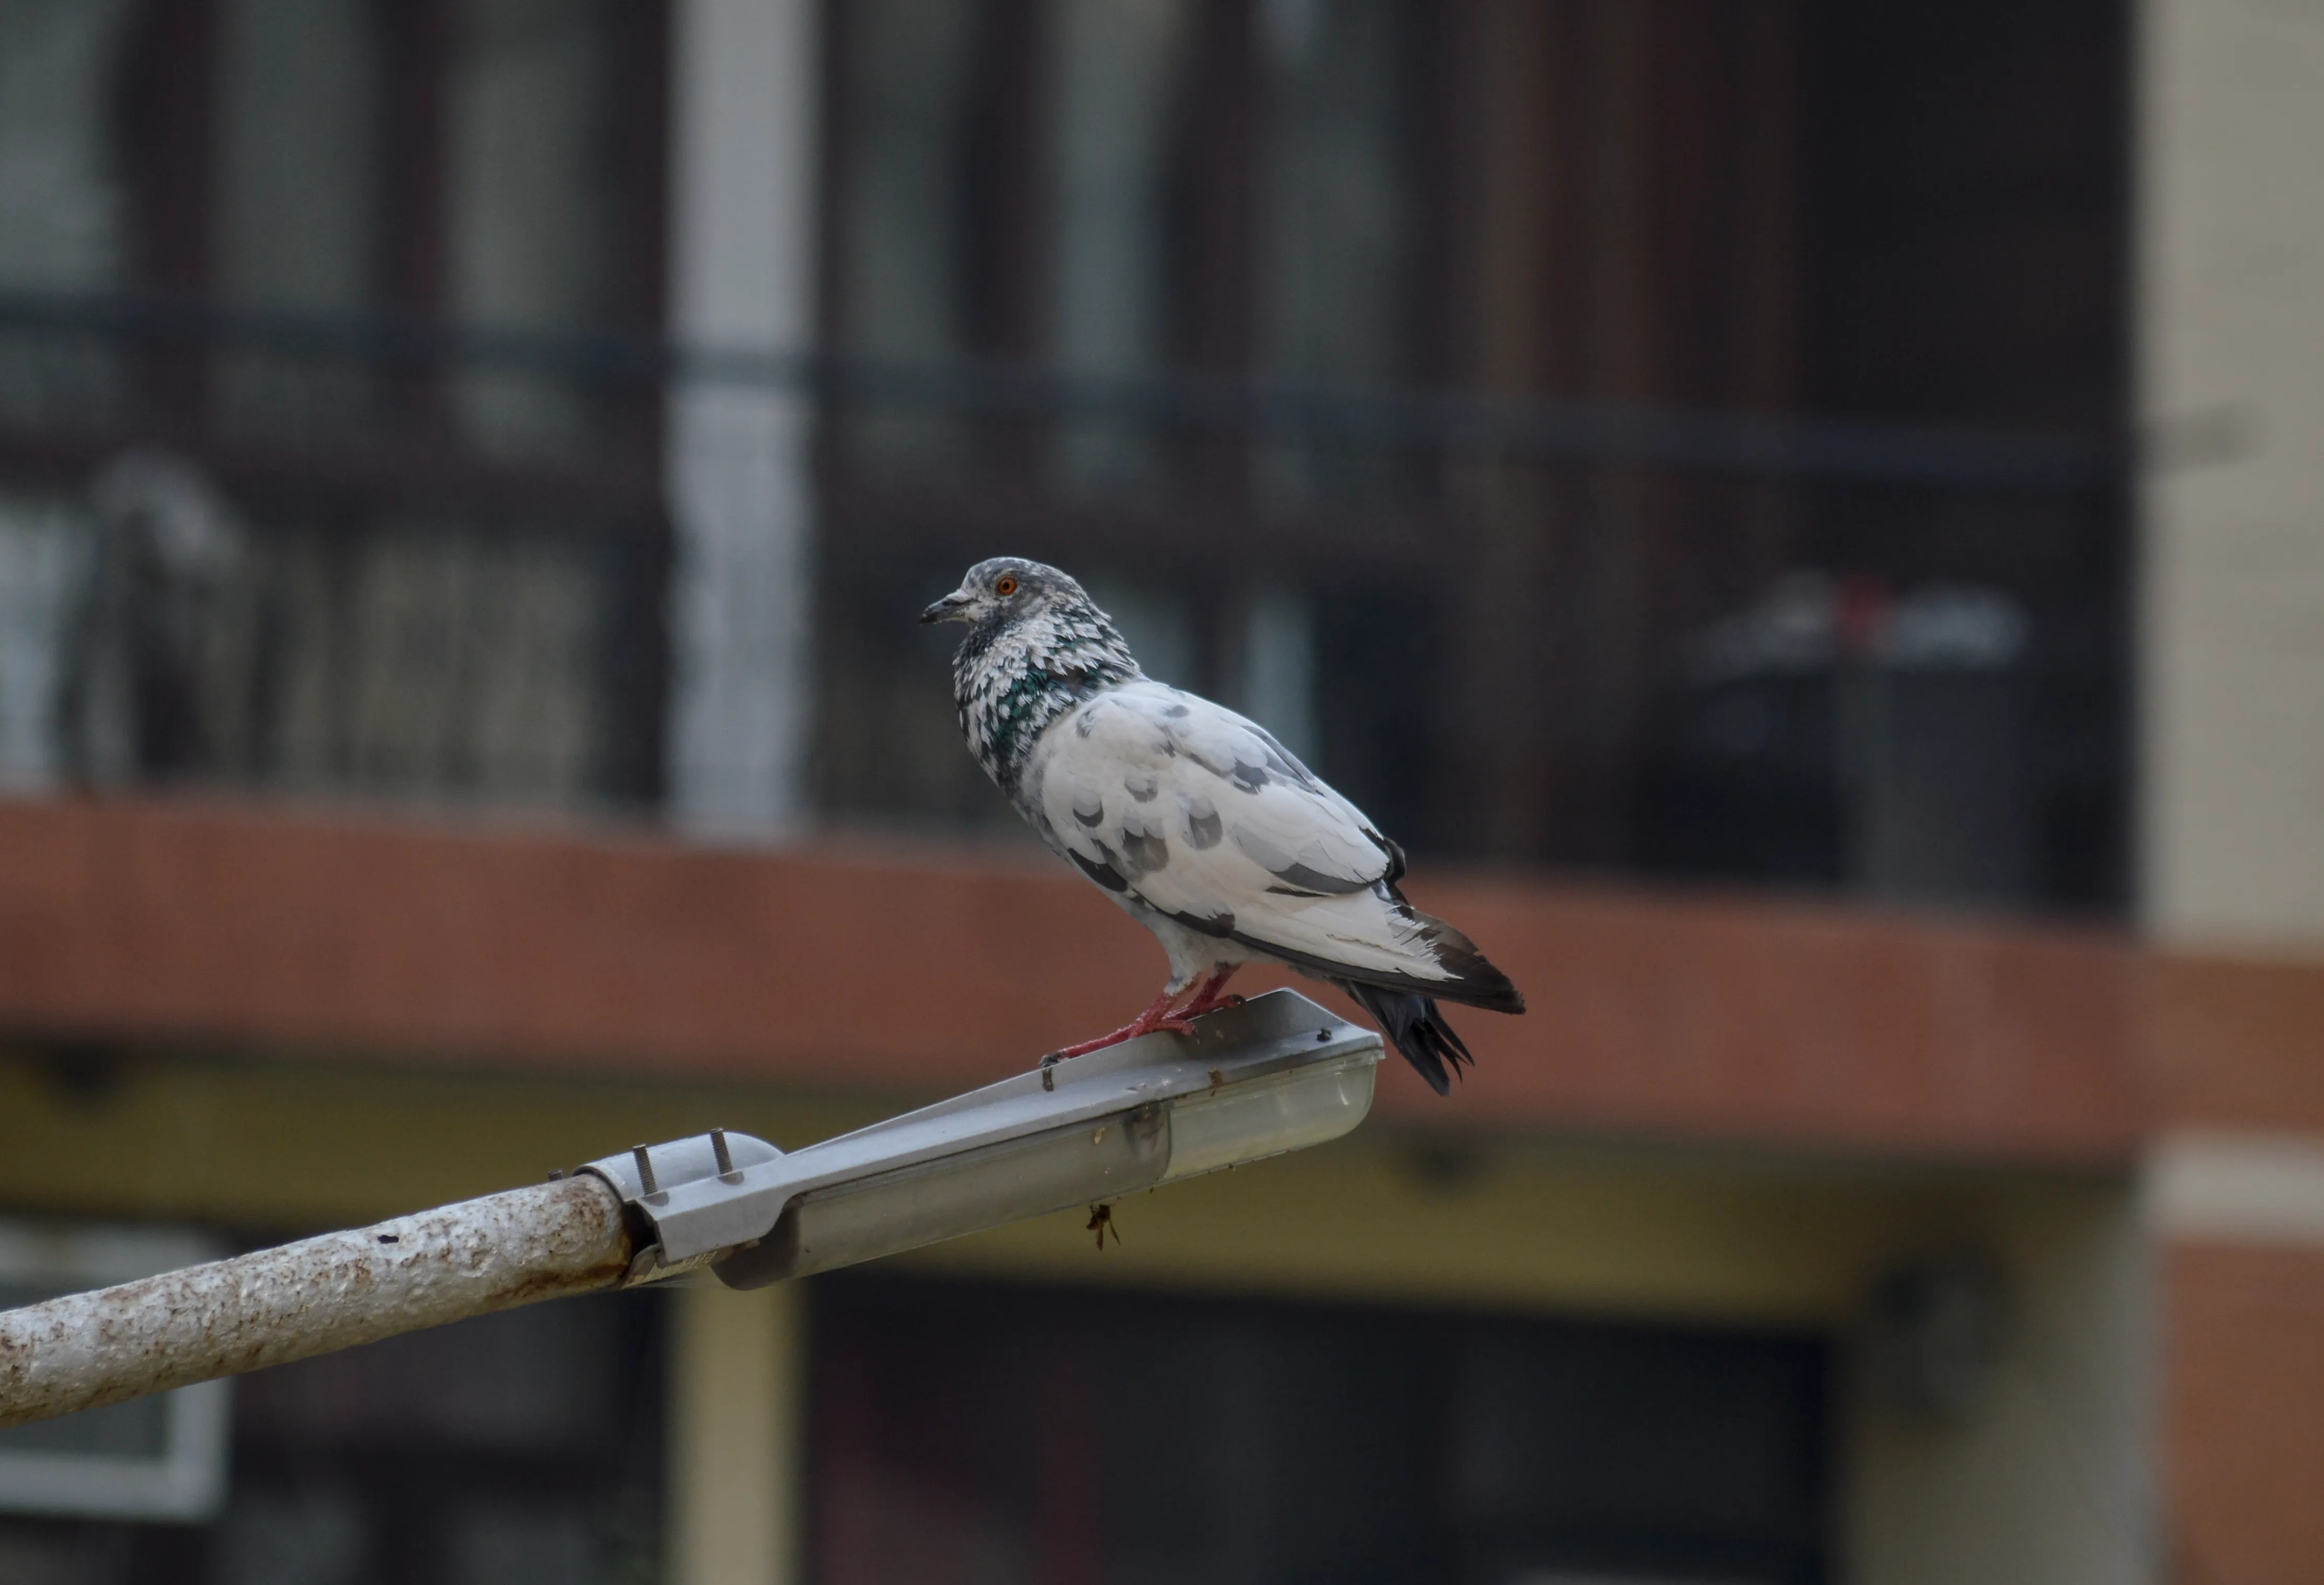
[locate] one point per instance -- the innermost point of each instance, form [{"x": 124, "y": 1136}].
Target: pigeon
[{"x": 1197, "y": 822}]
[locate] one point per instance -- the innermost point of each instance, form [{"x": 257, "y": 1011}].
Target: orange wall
[
  {"x": 2235, "y": 1043},
  {"x": 893, "y": 968},
  {"x": 2236, "y": 1048},
  {"x": 2244, "y": 1414}
]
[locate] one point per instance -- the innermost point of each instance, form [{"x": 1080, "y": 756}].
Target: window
[
  {"x": 431, "y": 569},
  {"x": 1087, "y": 1438},
  {"x": 160, "y": 1457},
  {"x": 523, "y": 1446},
  {"x": 1449, "y": 383}
]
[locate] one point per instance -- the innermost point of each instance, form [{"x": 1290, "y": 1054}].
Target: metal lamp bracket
[{"x": 1071, "y": 1133}]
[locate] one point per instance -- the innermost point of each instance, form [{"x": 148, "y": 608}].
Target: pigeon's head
[
  {"x": 1035, "y": 649},
  {"x": 1007, "y": 592}
]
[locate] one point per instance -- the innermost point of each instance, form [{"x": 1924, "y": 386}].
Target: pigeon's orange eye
[{"x": 1004, "y": 586}]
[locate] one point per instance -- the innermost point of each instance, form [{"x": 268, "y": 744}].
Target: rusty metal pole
[{"x": 86, "y": 1350}]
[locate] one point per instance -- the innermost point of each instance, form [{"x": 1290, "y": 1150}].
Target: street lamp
[{"x": 1276, "y": 1074}]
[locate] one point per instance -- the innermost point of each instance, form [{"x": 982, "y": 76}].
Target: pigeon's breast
[{"x": 1098, "y": 752}]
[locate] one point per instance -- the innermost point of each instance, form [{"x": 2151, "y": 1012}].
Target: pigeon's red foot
[
  {"x": 1209, "y": 997},
  {"x": 1158, "y": 1015}
]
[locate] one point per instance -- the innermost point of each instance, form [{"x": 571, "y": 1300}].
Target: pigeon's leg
[
  {"x": 1207, "y": 999},
  {"x": 1158, "y": 1015}
]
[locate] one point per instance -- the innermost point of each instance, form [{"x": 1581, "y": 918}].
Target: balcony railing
[{"x": 392, "y": 558}]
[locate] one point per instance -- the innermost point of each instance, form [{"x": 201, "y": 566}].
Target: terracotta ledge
[{"x": 889, "y": 969}]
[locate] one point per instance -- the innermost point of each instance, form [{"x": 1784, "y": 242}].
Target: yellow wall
[
  {"x": 2049, "y": 1485},
  {"x": 289, "y": 1146}
]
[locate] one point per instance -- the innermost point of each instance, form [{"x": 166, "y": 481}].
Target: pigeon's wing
[{"x": 1199, "y": 815}]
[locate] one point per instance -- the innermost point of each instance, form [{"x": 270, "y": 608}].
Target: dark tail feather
[
  {"x": 1474, "y": 981},
  {"x": 1414, "y": 1027}
]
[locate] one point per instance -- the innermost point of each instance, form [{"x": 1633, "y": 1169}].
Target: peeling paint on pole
[{"x": 276, "y": 1305}]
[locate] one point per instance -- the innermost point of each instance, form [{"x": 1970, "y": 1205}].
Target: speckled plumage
[{"x": 1195, "y": 821}]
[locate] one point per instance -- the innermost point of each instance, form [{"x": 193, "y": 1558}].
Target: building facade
[{"x": 1793, "y": 514}]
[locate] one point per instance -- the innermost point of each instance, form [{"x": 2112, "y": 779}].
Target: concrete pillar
[
  {"x": 743, "y": 183},
  {"x": 2047, "y": 1479},
  {"x": 2231, "y": 328},
  {"x": 2231, "y": 325},
  {"x": 737, "y": 1406}
]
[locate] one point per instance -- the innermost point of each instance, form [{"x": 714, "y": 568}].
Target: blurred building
[{"x": 1803, "y": 517}]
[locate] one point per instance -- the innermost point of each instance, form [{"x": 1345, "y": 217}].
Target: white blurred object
[
  {"x": 1795, "y": 628},
  {"x": 167, "y": 553},
  {"x": 44, "y": 566},
  {"x": 184, "y": 523},
  {"x": 1809, "y": 620},
  {"x": 1954, "y": 625}
]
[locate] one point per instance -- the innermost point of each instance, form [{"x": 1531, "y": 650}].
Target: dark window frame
[
  {"x": 1598, "y": 231},
  {"x": 412, "y": 461}
]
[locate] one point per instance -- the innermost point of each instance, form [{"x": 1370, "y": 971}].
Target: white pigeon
[{"x": 1196, "y": 820}]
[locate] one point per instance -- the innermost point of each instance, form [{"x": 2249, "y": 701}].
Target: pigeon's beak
[{"x": 953, "y": 607}]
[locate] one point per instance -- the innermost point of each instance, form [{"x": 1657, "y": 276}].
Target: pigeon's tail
[
  {"x": 1409, "y": 1016},
  {"x": 1474, "y": 979},
  {"x": 1416, "y": 1028}
]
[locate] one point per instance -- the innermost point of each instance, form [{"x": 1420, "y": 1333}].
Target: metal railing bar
[{"x": 1449, "y": 422}]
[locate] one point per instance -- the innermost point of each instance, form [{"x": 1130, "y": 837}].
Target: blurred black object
[
  {"x": 1937, "y": 1333},
  {"x": 1830, "y": 735}
]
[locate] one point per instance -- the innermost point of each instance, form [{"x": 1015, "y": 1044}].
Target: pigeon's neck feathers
[{"x": 1013, "y": 680}]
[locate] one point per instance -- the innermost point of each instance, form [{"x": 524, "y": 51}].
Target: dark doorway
[{"x": 968, "y": 1434}]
